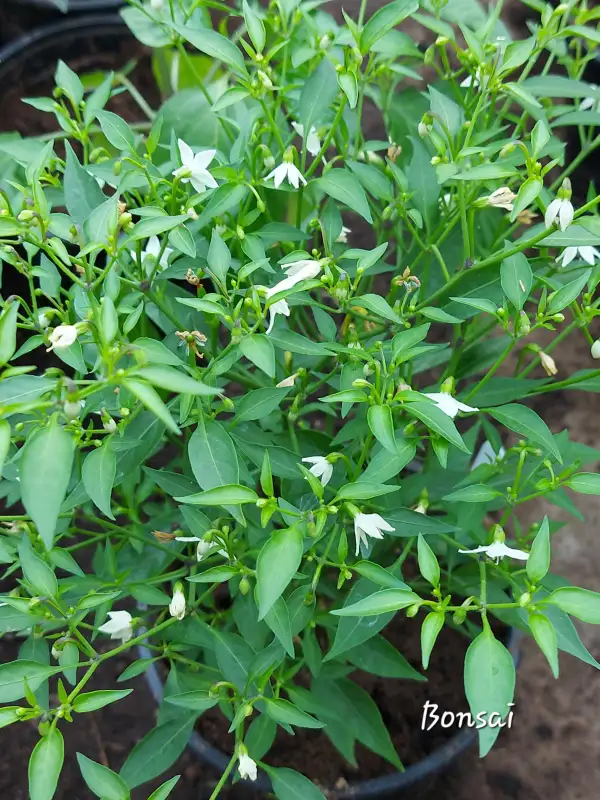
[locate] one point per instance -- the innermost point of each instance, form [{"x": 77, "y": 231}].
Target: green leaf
[
  {"x": 291, "y": 785},
  {"x": 379, "y": 657},
  {"x": 580, "y": 603},
  {"x": 381, "y": 424},
  {"x": 558, "y": 86},
  {"x": 36, "y": 571},
  {"x": 102, "y": 781},
  {"x": 98, "y": 474},
  {"x": 366, "y": 723},
  {"x": 432, "y": 625},
  {"x": 449, "y": 113},
  {"x": 212, "y": 455},
  {"x": 276, "y": 565},
  {"x": 116, "y": 130},
  {"x": 362, "y": 490},
  {"x": 527, "y": 423},
  {"x": 423, "y": 183},
  {"x": 45, "y": 765},
  {"x": 92, "y": 701},
  {"x": 150, "y": 398},
  {"x": 544, "y": 634},
  {"x": 258, "y": 403},
  {"x": 234, "y": 657},
  {"x": 428, "y": 563},
  {"x": 14, "y": 674},
  {"x": 286, "y": 713},
  {"x": 379, "y": 575},
  {"x": 439, "y": 422},
  {"x": 476, "y": 493},
  {"x": 489, "y": 683},
  {"x": 69, "y": 81},
  {"x": 278, "y": 620},
  {"x": 196, "y": 700},
  {"x": 219, "y": 257},
  {"x": 5, "y": 434},
  {"x": 318, "y": 93},
  {"x": 214, "y": 45},
  {"x": 379, "y": 603},
  {"x": 567, "y": 294},
  {"x": 232, "y": 494},
  {"x": 378, "y": 305},
  {"x": 538, "y": 562},
  {"x": 527, "y": 193},
  {"x": 349, "y": 86},
  {"x": 383, "y": 20},
  {"x": 8, "y": 332},
  {"x": 585, "y": 483},
  {"x": 344, "y": 187},
  {"x": 517, "y": 279},
  {"x": 82, "y": 193},
  {"x": 223, "y": 199},
  {"x": 165, "y": 789},
  {"x": 155, "y": 753},
  {"x": 296, "y": 343},
  {"x": 259, "y": 349},
  {"x": 255, "y": 27},
  {"x": 45, "y": 471},
  {"x": 173, "y": 380},
  {"x": 153, "y": 226},
  {"x": 384, "y": 465}
]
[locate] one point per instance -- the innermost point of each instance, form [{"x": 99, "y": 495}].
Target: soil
[
  {"x": 552, "y": 751},
  {"x": 400, "y": 702}
]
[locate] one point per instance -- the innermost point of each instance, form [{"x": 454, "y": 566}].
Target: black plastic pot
[
  {"x": 75, "y": 6},
  {"x": 399, "y": 784}
]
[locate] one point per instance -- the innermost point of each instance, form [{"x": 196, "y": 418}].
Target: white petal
[
  {"x": 187, "y": 539},
  {"x": 204, "y": 176},
  {"x": 567, "y": 256},
  {"x": 381, "y": 523},
  {"x": 500, "y": 550},
  {"x": 464, "y": 407},
  {"x": 313, "y": 143},
  {"x": 552, "y": 211},
  {"x": 299, "y": 128},
  {"x": 482, "y": 549},
  {"x": 152, "y": 246},
  {"x": 292, "y": 176},
  {"x": 278, "y": 174},
  {"x": 485, "y": 455},
  {"x": 565, "y": 214},
  {"x": 314, "y": 459},
  {"x": 445, "y": 402},
  {"x": 203, "y": 159},
  {"x": 186, "y": 153}
]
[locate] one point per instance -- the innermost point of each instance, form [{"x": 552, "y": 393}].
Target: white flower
[
  {"x": 423, "y": 129},
  {"x": 72, "y": 408},
  {"x": 487, "y": 455},
  {"x": 471, "y": 80},
  {"x": 286, "y": 382},
  {"x": 203, "y": 548},
  {"x": 596, "y": 349},
  {"x": 247, "y": 767},
  {"x": 590, "y": 103},
  {"x": 62, "y": 337},
  {"x": 559, "y": 209},
  {"x": 366, "y": 525},
  {"x": 296, "y": 272},
  {"x": 548, "y": 363},
  {"x": 194, "y": 167},
  {"x": 501, "y": 198},
  {"x": 109, "y": 425},
  {"x": 118, "y": 626},
  {"x": 43, "y": 320},
  {"x": 588, "y": 253},
  {"x": 156, "y": 5},
  {"x": 343, "y": 237},
  {"x": 322, "y": 468},
  {"x": 287, "y": 170},
  {"x": 177, "y": 604},
  {"x": 280, "y": 307},
  {"x": 153, "y": 247},
  {"x": 448, "y": 404},
  {"x": 313, "y": 143},
  {"x": 498, "y": 550}
]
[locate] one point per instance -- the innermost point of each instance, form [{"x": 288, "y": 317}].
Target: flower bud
[
  {"x": 244, "y": 585},
  {"x": 548, "y": 364},
  {"x": 596, "y": 349},
  {"x": 72, "y": 408},
  {"x": 413, "y": 610}
]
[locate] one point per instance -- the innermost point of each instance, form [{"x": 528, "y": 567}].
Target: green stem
[{"x": 223, "y": 778}]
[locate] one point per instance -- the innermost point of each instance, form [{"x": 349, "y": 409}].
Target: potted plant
[{"x": 284, "y": 431}]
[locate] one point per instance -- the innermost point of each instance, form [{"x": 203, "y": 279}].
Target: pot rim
[
  {"x": 40, "y": 37},
  {"x": 75, "y": 6},
  {"x": 383, "y": 786}
]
